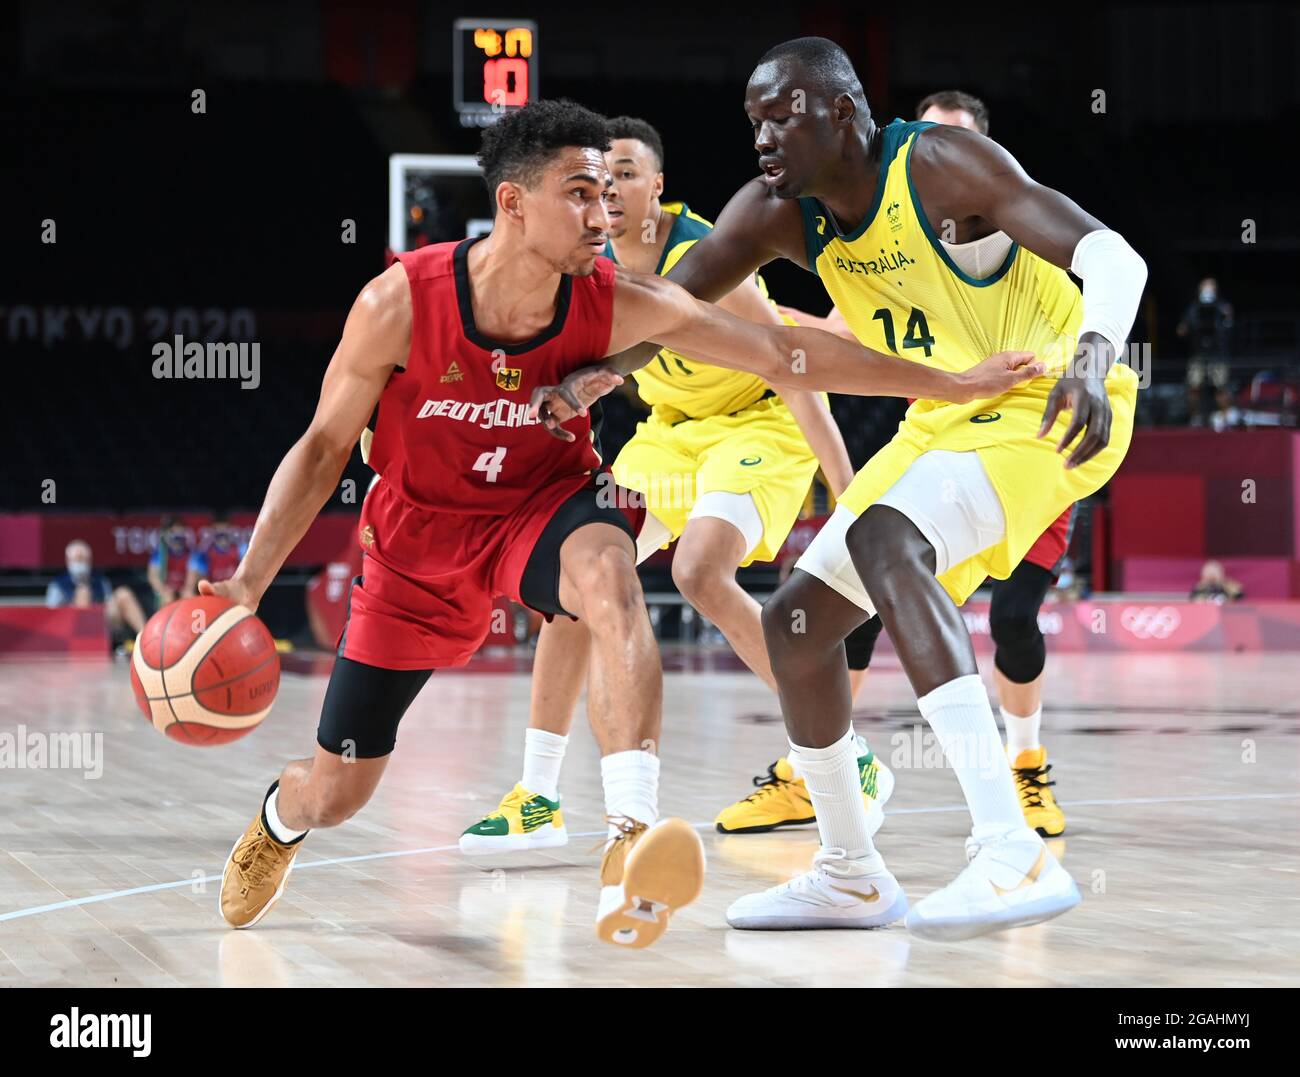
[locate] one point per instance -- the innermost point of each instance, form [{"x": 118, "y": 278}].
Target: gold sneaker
[
  {"x": 1030, "y": 769},
  {"x": 255, "y": 874},
  {"x": 647, "y": 874},
  {"x": 781, "y": 800}
]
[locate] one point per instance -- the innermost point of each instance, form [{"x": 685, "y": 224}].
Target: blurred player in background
[
  {"x": 217, "y": 556},
  {"x": 724, "y": 463},
  {"x": 781, "y": 799},
  {"x": 169, "y": 567}
]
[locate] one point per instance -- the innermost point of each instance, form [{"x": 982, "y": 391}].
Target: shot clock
[{"x": 494, "y": 67}]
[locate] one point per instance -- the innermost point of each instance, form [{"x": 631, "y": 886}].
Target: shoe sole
[
  {"x": 664, "y": 872},
  {"x": 767, "y": 828},
  {"x": 892, "y": 915},
  {"x": 1031, "y": 912},
  {"x": 1043, "y": 832},
  {"x": 875, "y": 813},
  {"x": 483, "y": 845},
  {"x": 265, "y": 908}
]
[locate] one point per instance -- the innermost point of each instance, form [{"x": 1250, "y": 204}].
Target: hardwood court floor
[{"x": 1178, "y": 775}]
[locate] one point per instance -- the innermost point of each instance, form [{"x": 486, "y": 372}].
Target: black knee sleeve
[
  {"x": 861, "y": 642},
  {"x": 363, "y": 706},
  {"x": 1013, "y": 622}
]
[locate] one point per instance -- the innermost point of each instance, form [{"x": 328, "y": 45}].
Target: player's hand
[
  {"x": 997, "y": 374},
  {"x": 234, "y": 589},
  {"x": 557, "y": 404},
  {"x": 1086, "y": 400}
]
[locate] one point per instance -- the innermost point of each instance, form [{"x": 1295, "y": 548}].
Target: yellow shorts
[
  {"x": 759, "y": 451},
  {"x": 1029, "y": 476}
]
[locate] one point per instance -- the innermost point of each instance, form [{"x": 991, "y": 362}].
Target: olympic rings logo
[{"x": 1151, "y": 622}]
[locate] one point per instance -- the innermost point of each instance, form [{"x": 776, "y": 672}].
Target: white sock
[
  {"x": 278, "y": 830},
  {"x": 543, "y": 754},
  {"x": 961, "y": 716},
  {"x": 1022, "y": 732},
  {"x": 831, "y": 774},
  {"x": 631, "y": 781},
  {"x": 862, "y": 748}
]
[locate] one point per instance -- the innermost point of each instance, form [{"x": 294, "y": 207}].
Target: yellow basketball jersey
[
  {"x": 902, "y": 294},
  {"x": 677, "y": 382}
]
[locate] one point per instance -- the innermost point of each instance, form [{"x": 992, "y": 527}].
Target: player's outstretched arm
[
  {"x": 754, "y": 228},
  {"x": 376, "y": 339},
  {"x": 971, "y": 176},
  {"x": 795, "y": 357}
]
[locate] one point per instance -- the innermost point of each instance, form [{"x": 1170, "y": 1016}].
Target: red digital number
[{"x": 505, "y": 82}]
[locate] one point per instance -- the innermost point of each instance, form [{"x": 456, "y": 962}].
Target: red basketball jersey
[{"x": 453, "y": 433}]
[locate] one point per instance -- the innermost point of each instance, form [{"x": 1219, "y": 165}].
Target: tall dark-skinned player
[{"x": 780, "y": 798}]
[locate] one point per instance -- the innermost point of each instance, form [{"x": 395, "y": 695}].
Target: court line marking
[{"x": 93, "y": 899}]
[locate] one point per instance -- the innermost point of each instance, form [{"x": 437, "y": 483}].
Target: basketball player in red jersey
[{"x": 475, "y": 499}]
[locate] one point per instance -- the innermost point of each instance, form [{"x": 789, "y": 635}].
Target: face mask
[
  {"x": 222, "y": 539},
  {"x": 1207, "y": 295},
  {"x": 79, "y": 570},
  {"x": 175, "y": 541}
]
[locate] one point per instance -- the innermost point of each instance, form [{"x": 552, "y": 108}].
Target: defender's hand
[
  {"x": 997, "y": 374},
  {"x": 1085, "y": 398},
  {"x": 235, "y": 589},
  {"x": 556, "y": 404}
]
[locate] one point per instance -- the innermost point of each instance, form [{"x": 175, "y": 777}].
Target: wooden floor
[{"x": 1179, "y": 776}]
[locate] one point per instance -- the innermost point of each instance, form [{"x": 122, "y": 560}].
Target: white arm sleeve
[{"x": 1113, "y": 276}]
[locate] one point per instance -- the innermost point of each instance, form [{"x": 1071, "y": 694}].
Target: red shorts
[
  {"x": 430, "y": 579},
  {"x": 1052, "y": 543}
]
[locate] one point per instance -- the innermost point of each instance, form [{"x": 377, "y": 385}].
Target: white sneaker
[
  {"x": 836, "y": 892},
  {"x": 1011, "y": 880}
]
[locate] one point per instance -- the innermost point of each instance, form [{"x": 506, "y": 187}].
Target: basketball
[{"x": 205, "y": 671}]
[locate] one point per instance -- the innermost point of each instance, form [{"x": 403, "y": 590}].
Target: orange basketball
[{"x": 205, "y": 671}]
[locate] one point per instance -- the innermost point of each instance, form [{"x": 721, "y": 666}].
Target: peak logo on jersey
[
  {"x": 750, "y": 461},
  {"x": 499, "y": 412},
  {"x": 986, "y": 417},
  {"x": 453, "y": 374},
  {"x": 821, "y": 226},
  {"x": 509, "y": 378}
]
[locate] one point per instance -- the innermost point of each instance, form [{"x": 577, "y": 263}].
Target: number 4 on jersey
[{"x": 490, "y": 463}]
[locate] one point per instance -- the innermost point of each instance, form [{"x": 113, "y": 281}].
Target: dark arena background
[{"x": 233, "y": 174}]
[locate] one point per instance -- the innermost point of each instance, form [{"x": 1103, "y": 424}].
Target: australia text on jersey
[
  {"x": 493, "y": 413},
  {"x": 892, "y": 261}
]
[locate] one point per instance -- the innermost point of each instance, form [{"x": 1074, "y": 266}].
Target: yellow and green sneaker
[
  {"x": 523, "y": 820},
  {"x": 781, "y": 800}
]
